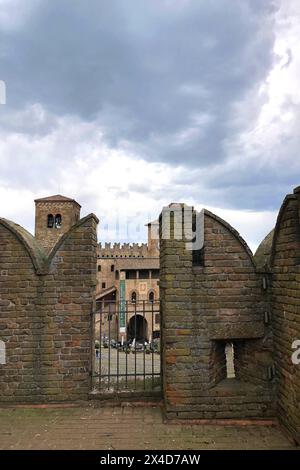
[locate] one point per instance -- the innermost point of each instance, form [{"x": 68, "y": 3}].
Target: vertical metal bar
[
  {"x": 118, "y": 352},
  {"x": 135, "y": 344},
  {"x": 100, "y": 359},
  {"x": 144, "y": 350},
  {"x": 109, "y": 345},
  {"x": 126, "y": 355},
  {"x": 160, "y": 346},
  {"x": 152, "y": 352}
]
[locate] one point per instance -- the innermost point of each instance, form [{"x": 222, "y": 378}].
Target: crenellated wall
[
  {"x": 208, "y": 302},
  {"x": 45, "y": 306},
  {"x": 124, "y": 250}
]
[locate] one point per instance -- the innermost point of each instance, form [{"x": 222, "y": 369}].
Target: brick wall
[
  {"x": 203, "y": 307},
  {"x": 285, "y": 262},
  {"x": 45, "y": 314}
]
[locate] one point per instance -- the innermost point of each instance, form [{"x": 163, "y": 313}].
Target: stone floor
[{"x": 124, "y": 427}]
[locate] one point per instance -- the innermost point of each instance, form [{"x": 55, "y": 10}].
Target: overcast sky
[{"x": 128, "y": 105}]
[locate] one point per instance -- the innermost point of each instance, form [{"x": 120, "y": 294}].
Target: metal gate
[{"x": 127, "y": 346}]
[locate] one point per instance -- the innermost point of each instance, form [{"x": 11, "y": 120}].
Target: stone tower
[
  {"x": 153, "y": 238},
  {"x": 54, "y": 216}
]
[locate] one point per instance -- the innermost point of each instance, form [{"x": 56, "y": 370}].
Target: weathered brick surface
[
  {"x": 203, "y": 307},
  {"x": 126, "y": 427},
  {"x": 285, "y": 262},
  {"x": 45, "y": 306}
]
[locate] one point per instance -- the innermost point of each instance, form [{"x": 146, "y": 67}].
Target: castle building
[
  {"x": 127, "y": 275},
  {"x": 128, "y": 279}
]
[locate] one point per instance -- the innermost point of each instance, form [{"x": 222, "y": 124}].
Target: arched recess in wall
[
  {"x": 2, "y": 353},
  {"x": 133, "y": 297},
  {"x": 151, "y": 296},
  {"x": 58, "y": 221},
  {"x": 50, "y": 221}
]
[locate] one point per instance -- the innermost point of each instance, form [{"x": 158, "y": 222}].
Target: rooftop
[{"x": 56, "y": 198}]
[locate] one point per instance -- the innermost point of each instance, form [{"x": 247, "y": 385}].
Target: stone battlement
[{"x": 124, "y": 250}]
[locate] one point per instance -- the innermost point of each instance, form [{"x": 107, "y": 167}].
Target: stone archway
[{"x": 137, "y": 328}]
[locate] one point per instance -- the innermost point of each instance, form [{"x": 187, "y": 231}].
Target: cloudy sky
[{"x": 128, "y": 105}]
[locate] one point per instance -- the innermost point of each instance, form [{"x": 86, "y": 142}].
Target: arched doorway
[{"x": 137, "y": 328}]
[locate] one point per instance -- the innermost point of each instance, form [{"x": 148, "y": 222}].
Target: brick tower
[{"x": 54, "y": 216}]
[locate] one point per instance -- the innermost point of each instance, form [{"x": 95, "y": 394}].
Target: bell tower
[{"x": 54, "y": 216}]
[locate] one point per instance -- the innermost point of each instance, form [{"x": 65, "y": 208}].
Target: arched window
[
  {"x": 151, "y": 296},
  {"x": 50, "y": 221},
  {"x": 2, "y": 353},
  {"x": 58, "y": 221},
  {"x": 133, "y": 297}
]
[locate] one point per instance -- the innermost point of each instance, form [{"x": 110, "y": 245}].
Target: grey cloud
[
  {"x": 163, "y": 80},
  {"x": 125, "y": 64}
]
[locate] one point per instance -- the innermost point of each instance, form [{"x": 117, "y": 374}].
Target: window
[
  {"x": 103, "y": 285},
  {"x": 155, "y": 274},
  {"x": 133, "y": 297},
  {"x": 143, "y": 274},
  {"x": 112, "y": 268},
  {"x": 151, "y": 297},
  {"x": 58, "y": 221},
  {"x": 157, "y": 318},
  {"x": 50, "y": 221},
  {"x": 117, "y": 275},
  {"x": 99, "y": 268},
  {"x": 2, "y": 353},
  {"x": 131, "y": 274},
  {"x": 229, "y": 353},
  {"x": 198, "y": 257}
]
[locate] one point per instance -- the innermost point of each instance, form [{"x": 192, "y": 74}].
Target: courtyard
[
  {"x": 94, "y": 426},
  {"x": 114, "y": 362}
]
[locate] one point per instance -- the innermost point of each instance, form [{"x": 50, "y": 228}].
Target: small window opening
[
  {"x": 103, "y": 285},
  {"x": 58, "y": 221},
  {"x": 50, "y": 221},
  {"x": 99, "y": 268},
  {"x": 229, "y": 353},
  {"x": 117, "y": 275},
  {"x": 151, "y": 297},
  {"x": 133, "y": 297},
  {"x": 2, "y": 353},
  {"x": 112, "y": 268}
]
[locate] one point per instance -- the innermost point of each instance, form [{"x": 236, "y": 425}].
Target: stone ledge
[{"x": 240, "y": 330}]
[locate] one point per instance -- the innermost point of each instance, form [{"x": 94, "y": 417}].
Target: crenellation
[{"x": 125, "y": 250}]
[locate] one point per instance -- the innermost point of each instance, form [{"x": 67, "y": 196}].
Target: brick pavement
[{"x": 124, "y": 427}]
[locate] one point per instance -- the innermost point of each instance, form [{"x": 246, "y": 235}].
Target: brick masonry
[
  {"x": 45, "y": 306},
  {"x": 285, "y": 268},
  {"x": 226, "y": 295},
  {"x": 205, "y": 306}
]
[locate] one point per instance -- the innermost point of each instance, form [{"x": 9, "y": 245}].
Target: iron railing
[{"x": 127, "y": 346}]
